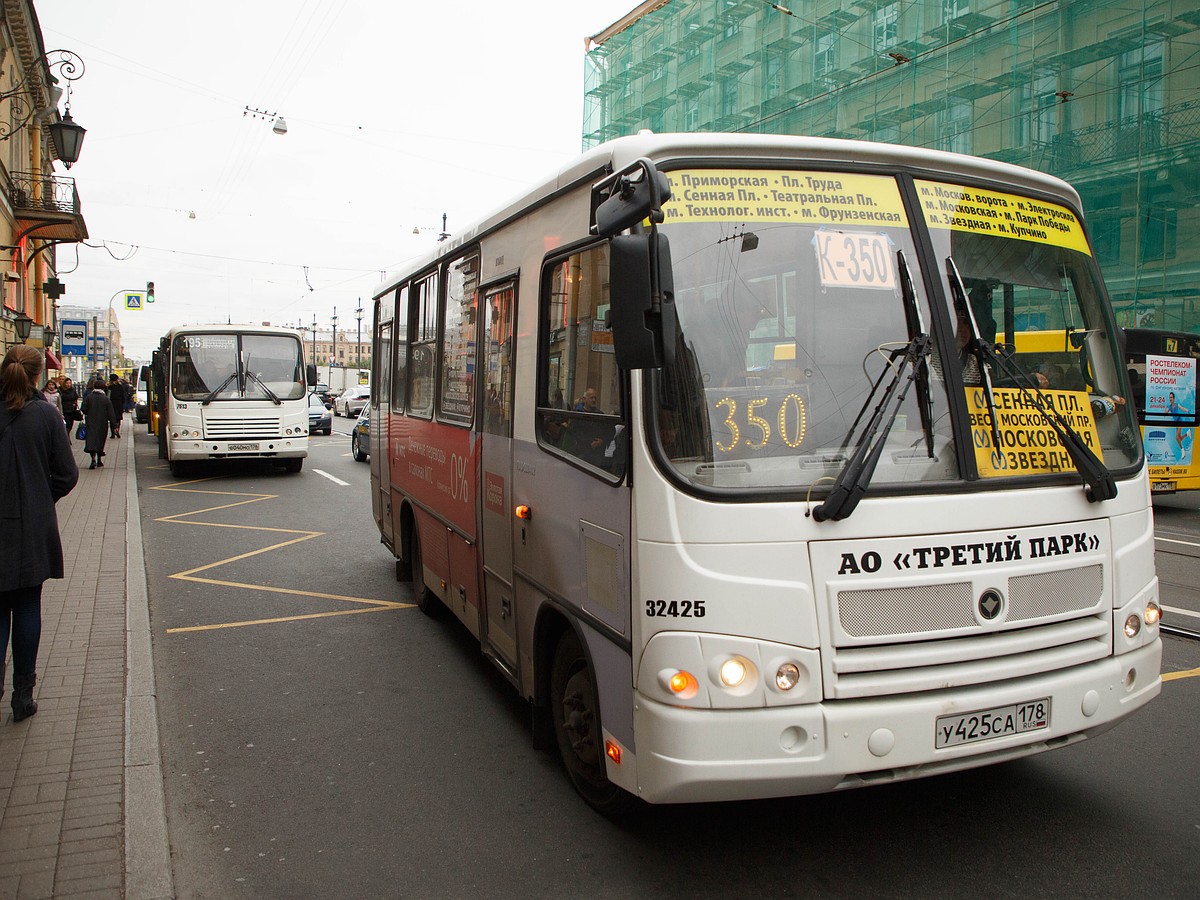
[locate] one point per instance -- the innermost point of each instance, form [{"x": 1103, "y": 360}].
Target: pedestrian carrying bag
[{"x": 81, "y": 432}]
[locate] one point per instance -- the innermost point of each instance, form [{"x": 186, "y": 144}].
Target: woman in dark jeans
[{"x": 37, "y": 467}]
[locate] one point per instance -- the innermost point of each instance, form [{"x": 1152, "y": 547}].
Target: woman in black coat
[
  {"x": 97, "y": 414},
  {"x": 37, "y": 467},
  {"x": 70, "y": 403}
]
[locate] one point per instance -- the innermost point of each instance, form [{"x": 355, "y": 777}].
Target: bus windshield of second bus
[
  {"x": 784, "y": 327},
  {"x": 237, "y": 366}
]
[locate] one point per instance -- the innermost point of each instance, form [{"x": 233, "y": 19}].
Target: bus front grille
[
  {"x": 248, "y": 427},
  {"x": 916, "y": 638}
]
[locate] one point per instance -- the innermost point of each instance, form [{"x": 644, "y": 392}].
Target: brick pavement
[{"x": 81, "y": 803}]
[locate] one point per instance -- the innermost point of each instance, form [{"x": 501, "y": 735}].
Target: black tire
[
  {"x": 427, "y": 601},
  {"x": 576, "y": 716},
  {"x": 179, "y": 468},
  {"x": 356, "y": 449},
  {"x": 293, "y": 465}
]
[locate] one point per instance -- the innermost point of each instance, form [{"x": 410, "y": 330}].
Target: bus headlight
[
  {"x": 1153, "y": 614},
  {"x": 733, "y": 672},
  {"x": 1133, "y": 625},
  {"x": 787, "y": 676}
]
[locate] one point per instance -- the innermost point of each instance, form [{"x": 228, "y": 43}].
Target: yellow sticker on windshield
[
  {"x": 1028, "y": 445},
  {"x": 769, "y": 195},
  {"x": 974, "y": 210}
]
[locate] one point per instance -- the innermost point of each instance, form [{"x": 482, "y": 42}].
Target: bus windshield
[
  {"x": 786, "y": 326},
  {"x": 237, "y": 366}
]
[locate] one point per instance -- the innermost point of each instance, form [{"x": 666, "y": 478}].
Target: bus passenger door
[
  {"x": 495, "y": 476},
  {"x": 381, "y": 495}
]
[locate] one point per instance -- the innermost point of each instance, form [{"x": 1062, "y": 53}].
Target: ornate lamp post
[{"x": 333, "y": 355}]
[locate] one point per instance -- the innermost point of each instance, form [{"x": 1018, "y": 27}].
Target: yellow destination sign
[
  {"x": 958, "y": 208},
  {"x": 769, "y": 195},
  {"x": 1028, "y": 445}
]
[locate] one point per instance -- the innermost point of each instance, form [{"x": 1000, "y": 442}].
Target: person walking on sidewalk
[
  {"x": 37, "y": 467},
  {"x": 117, "y": 395},
  {"x": 97, "y": 415},
  {"x": 70, "y": 403}
]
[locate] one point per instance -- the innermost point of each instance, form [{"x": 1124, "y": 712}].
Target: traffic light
[{"x": 149, "y": 291}]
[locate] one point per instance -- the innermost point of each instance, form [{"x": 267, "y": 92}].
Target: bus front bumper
[
  {"x": 699, "y": 755},
  {"x": 186, "y": 449}
]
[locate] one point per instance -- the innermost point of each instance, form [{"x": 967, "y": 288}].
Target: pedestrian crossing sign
[{"x": 133, "y": 300}]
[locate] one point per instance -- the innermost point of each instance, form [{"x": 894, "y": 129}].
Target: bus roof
[{"x": 591, "y": 166}]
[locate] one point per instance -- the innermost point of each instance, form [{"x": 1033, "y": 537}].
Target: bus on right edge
[{"x": 1162, "y": 374}]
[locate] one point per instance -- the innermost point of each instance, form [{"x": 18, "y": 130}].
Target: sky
[{"x": 396, "y": 113}]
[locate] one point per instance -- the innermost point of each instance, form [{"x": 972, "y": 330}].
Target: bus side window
[
  {"x": 581, "y": 404},
  {"x": 400, "y": 367},
  {"x": 424, "y": 344}
]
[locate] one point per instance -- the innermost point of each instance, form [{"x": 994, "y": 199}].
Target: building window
[
  {"x": 1036, "y": 119},
  {"x": 824, "y": 54},
  {"x": 954, "y": 126},
  {"x": 691, "y": 114},
  {"x": 691, "y": 25},
  {"x": 773, "y": 80},
  {"x": 885, "y": 22},
  {"x": 729, "y": 96},
  {"x": 952, "y": 9},
  {"x": 1140, "y": 81}
]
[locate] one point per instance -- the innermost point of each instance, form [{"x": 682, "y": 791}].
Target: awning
[{"x": 52, "y": 361}]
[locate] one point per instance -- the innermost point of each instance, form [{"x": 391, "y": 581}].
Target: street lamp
[
  {"x": 65, "y": 134},
  {"x": 314, "y": 339},
  {"x": 22, "y": 325},
  {"x": 358, "y": 315},
  {"x": 333, "y": 356}
]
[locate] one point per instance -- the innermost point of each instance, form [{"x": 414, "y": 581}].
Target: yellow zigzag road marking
[{"x": 191, "y": 574}]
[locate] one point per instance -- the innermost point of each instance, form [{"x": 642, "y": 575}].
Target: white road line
[
  {"x": 1173, "y": 541},
  {"x": 1182, "y": 612},
  {"x": 331, "y": 478}
]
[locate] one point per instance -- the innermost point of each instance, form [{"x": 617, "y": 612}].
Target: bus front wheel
[{"x": 575, "y": 711}]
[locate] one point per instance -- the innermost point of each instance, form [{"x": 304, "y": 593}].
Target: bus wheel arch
[
  {"x": 427, "y": 601},
  {"x": 574, "y": 712}
]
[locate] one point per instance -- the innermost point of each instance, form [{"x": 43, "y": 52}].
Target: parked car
[
  {"x": 352, "y": 400},
  {"x": 320, "y": 419},
  {"x": 360, "y": 436},
  {"x": 322, "y": 391}
]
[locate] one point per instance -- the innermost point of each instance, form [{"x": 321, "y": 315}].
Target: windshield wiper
[
  {"x": 224, "y": 384},
  {"x": 263, "y": 385},
  {"x": 976, "y": 346},
  {"x": 852, "y": 481},
  {"x": 1100, "y": 483},
  {"x": 916, "y": 327}
]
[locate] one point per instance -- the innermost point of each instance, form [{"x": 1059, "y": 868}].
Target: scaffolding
[{"x": 1093, "y": 93}]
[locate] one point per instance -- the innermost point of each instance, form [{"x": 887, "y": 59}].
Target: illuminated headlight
[
  {"x": 733, "y": 672},
  {"x": 787, "y": 676},
  {"x": 1133, "y": 625},
  {"x": 1153, "y": 614}
]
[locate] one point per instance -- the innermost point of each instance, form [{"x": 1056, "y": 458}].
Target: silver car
[{"x": 352, "y": 400}]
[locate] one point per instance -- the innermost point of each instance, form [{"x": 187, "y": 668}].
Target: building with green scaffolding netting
[{"x": 1104, "y": 95}]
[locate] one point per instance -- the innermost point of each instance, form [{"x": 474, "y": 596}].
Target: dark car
[
  {"x": 320, "y": 419},
  {"x": 360, "y": 436}
]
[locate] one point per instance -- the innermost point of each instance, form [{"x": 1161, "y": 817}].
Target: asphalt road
[{"x": 322, "y": 738}]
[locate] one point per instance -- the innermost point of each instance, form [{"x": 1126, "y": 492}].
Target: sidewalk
[{"x": 81, "y": 798}]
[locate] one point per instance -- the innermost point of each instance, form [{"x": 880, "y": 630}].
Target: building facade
[
  {"x": 1106, "y": 96},
  {"x": 39, "y": 209}
]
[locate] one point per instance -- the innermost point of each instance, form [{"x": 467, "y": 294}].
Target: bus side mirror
[
  {"x": 642, "y": 293},
  {"x": 310, "y": 375},
  {"x": 630, "y": 196}
]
